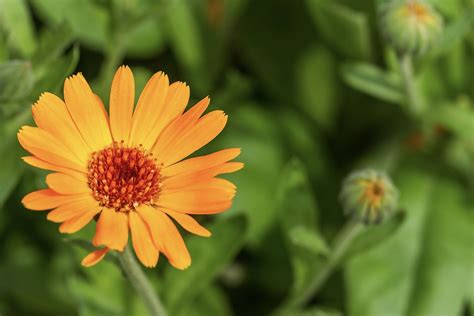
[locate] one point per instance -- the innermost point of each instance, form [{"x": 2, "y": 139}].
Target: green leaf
[
  {"x": 146, "y": 38},
  {"x": 210, "y": 256},
  {"x": 81, "y": 243},
  {"x": 317, "y": 311},
  {"x": 28, "y": 270},
  {"x": 457, "y": 117},
  {"x": 16, "y": 80},
  {"x": 211, "y": 301},
  {"x": 4, "y": 53},
  {"x": 52, "y": 43},
  {"x": 303, "y": 237},
  {"x": 139, "y": 27},
  {"x": 275, "y": 58},
  {"x": 383, "y": 275},
  {"x": 251, "y": 130},
  {"x": 305, "y": 143},
  {"x": 453, "y": 33},
  {"x": 443, "y": 274},
  {"x": 236, "y": 86},
  {"x": 298, "y": 218},
  {"x": 186, "y": 38},
  {"x": 100, "y": 290},
  {"x": 294, "y": 192},
  {"x": 88, "y": 19},
  {"x": 373, "y": 81},
  {"x": 345, "y": 29},
  {"x": 318, "y": 95},
  {"x": 460, "y": 156},
  {"x": 10, "y": 151},
  {"x": 374, "y": 235},
  {"x": 201, "y": 33},
  {"x": 15, "y": 19},
  {"x": 423, "y": 268},
  {"x": 53, "y": 77},
  {"x": 11, "y": 170}
]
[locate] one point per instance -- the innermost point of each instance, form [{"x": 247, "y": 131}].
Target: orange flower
[{"x": 127, "y": 170}]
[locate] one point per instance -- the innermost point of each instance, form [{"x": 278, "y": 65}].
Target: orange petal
[
  {"x": 94, "y": 257},
  {"x": 50, "y": 114},
  {"x": 209, "y": 183},
  {"x": 149, "y": 110},
  {"x": 46, "y": 147},
  {"x": 101, "y": 105},
  {"x": 73, "y": 209},
  {"x": 196, "y": 201},
  {"x": 200, "y": 163},
  {"x": 142, "y": 242},
  {"x": 188, "y": 223},
  {"x": 205, "y": 130},
  {"x": 177, "y": 129},
  {"x": 87, "y": 113},
  {"x": 74, "y": 224},
  {"x": 67, "y": 184},
  {"x": 174, "y": 105},
  {"x": 111, "y": 230},
  {"x": 214, "y": 183},
  {"x": 122, "y": 98},
  {"x": 47, "y": 199},
  {"x": 38, "y": 163},
  {"x": 188, "y": 179},
  {"x": 166, "y": 236}
]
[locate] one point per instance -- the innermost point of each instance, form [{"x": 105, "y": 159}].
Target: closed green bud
[
  {"x": 369, "y": 196},
  {"x": 410, "y": 26}
]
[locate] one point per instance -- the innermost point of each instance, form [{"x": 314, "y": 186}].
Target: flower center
[
  {"x": 123, "y": 178},
  {"x": 418, "y": 10},
  {"x": 374, "y": 193}
]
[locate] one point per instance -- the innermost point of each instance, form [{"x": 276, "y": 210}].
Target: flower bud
[
  {"x": 410, "y": 26},
  {"x": 369, "y": 196}
]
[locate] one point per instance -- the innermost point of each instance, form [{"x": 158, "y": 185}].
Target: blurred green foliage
[{"x": 312, "y": 92}]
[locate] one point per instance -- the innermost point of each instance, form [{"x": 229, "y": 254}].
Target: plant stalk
[
  {"x": 341, "y": 244},
  {"x": 412, "y": 98},
  {"x": 140, "y": 282}
]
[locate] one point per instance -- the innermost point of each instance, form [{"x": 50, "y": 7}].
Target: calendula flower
[
  {"x": 369, "y": 196},
  {"x": 410, "y": 26},
  {"x": 126, "y": 169}
]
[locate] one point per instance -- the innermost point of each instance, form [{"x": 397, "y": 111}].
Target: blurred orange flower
[{"x": 126, "y": 168}]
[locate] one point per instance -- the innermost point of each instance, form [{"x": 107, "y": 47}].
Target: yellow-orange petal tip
[
  {"x": 94, "y": 257},
  {"x": 185, "y": 267}
]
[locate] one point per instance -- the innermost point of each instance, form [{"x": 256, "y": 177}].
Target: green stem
[
  {"x": 140, "y": 282},
  {"x": 114, "y": 52},
  {"x": 113, "y": 57},
  {"x": 341, "y": 244},
  {"x": 406, "y": 69}
]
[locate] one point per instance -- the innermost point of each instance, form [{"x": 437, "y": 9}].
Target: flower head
[
  {"x": 369, "y": 196},
  {"x": 127, "y": 168},
  {"x": 410, "y": 26}
]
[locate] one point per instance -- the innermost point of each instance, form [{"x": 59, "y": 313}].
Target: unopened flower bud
[
  {"x": 369, "y": 196},
  {"x": 410, "y": 26}
]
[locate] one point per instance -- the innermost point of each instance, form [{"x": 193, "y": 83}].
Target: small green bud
[
  {"x": 410, "y": 26},
  {"x": 369, "y": 196}
]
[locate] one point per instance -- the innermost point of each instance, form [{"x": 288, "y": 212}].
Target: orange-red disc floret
[{"x": 123, "y": 178}]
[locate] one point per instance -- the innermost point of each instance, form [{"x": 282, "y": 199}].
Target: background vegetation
[{"x": 312, "y": 92}]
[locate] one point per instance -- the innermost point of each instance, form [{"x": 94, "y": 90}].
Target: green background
[{"x": 312, "y": 93}]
